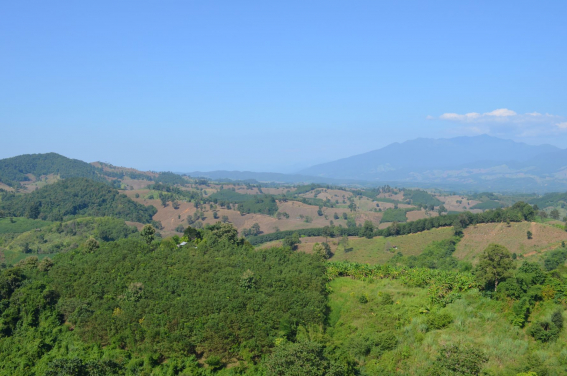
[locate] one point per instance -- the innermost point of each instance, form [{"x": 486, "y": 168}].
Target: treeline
[
  {"x": 550, "y": 199},
  {"x": 14, "y": 170},
  {"x": 75, "y": 197},
  {"x": 520, "y": 211},
  {"x": 170, "y": 178}
]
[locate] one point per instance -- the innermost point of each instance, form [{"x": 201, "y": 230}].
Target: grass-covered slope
[{"x": 75, "y": 197}]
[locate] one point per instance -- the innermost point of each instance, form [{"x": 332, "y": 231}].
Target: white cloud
[
  {"x": 501, "y": 112},
  {"x": 507, "y": 123}
]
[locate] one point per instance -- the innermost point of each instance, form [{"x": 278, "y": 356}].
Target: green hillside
[
  {"x": 75, "y": 197},
  {"x": 13, "y": 170}
]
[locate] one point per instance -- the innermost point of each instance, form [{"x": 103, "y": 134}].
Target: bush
[
  {"x": 459, "y": 360},
  {"x": 303, "y": 358},
  {"x": 544, "y": 331},
  {"x": 438, "y": 321}
]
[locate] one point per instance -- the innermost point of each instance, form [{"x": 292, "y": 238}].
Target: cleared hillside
[{"x": 514, "y": 237}]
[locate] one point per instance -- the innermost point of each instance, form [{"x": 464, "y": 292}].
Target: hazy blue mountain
[{"x": 400, "y": 160}]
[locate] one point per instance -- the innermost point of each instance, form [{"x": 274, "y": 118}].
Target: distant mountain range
[
  {"x": 470, "y": 163},
  {"x": 480, "y": 163}
]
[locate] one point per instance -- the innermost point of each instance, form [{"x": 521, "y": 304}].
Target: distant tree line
[{"x": 520, "y": 211}]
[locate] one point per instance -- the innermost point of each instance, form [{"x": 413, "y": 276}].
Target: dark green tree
[
  {"x": 495, "y": 265},
  {"x": 148, "y": 233}
]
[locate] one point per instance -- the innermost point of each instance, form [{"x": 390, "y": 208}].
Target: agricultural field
[
  {"x": 458, "y": 203},
  {"x": 373, "y": 251},
  {"x": 514, "y": 237}
]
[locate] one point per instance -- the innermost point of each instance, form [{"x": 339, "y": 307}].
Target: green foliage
[
  {"x": 550, "y": 199},
  {"x": 66, "y": 236},
  {"x": 443, "y": 286},
  {"x": 19, "y": 225},
  {"x": 14, "y": 169},
  {"x": 264, "y": 204},
  {"x": 78, "y": 197},
  {"x": 148, "y": 234},
  {"x": 494, "y": 265},
  {"x": 301, "y": 358},
  {"x": 436, "y": 255},
  {"x": 487, "y": 205},
  {"x": 438, "y": 321},
  {"x": 292, "y": 241},
  {"x": 544, "y": 331},
  {"x": 394, "y": 215},
  {"x": 227, "y": 195},
  {"x": 367, "y": 230},
  {"x": 170, "y": 178},
  {"x": 419, "y": 197},
  {"x": 92, "y": 245},
  {"x": 459, "y": 360},
  {"x": 145, "y": 304},
  {"x": 554, "y": 259}
]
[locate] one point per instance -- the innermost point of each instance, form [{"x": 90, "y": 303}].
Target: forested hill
[
  {"x": 13, "y": 170},
  {"x": 75, "y": 197}
]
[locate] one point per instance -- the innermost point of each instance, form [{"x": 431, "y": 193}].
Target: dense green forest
[
  {"x": 75, "y": 197},
  {"x": 130, "y": 307},
  {"x": 13, "y": 170}
]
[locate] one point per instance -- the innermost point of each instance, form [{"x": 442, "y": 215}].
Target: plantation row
[{"x": 516, "y": 213}]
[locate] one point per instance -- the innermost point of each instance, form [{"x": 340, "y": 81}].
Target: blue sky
[{"x": 274, "y": 86}]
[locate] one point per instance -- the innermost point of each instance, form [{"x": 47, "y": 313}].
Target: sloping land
[{"x": 514, "y": 237}]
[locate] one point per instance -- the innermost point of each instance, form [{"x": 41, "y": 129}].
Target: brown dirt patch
[
  {"x": 6, "y": 187},
  {"x": 450, "y": 202},
  {"x": 420, "y": 214}
]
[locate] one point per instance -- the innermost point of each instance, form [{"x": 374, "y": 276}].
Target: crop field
[
  {"x": 451, "y": 204},
  {"x": 420, "y": 214},
  {"x": 514, "y": 237},
  {"x": 373, "y": 251}
]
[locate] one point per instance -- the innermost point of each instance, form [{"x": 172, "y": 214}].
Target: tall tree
[{"x": 495, "y": 265}]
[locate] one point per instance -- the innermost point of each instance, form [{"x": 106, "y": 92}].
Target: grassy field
[
  {"x": 476, "y": 321},
  {"x": 513, "y": 237},
  {"x": 373, "y": 251},
  {"x": 12, "y": 257},
  {"x": 20, "y": 225}
]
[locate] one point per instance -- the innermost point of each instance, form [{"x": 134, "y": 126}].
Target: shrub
[
  {"x": 459, "y": 360},
  {"x": 544, "y": 331},
  {"x": 438, "y": 321}
]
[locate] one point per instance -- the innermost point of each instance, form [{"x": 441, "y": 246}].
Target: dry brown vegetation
[
  {"x": 451, "y": 204},
  {"x": 514, "y": 237}
]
